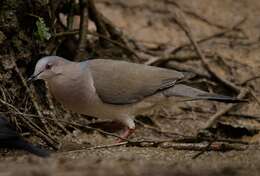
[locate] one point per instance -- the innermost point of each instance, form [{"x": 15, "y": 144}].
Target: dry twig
[
  {"x": 81, "y": 53},
  {"x": 34, "y": 127},
  {"x": 97, "y": 147},
  {"x": 203, "y": 151},
  {"x": 223, "y": 111},
  {"x": 180, "y": 20},
  {"x": 106, "y": 28},
  {"x": 202, "y": 147},
  {"x": 177, "y": 146},
  {"x": 70, "y": 18},
  {"x": 95, "y": 16},
  {"x": 170, "y": 54},
  {"x": 35, "y": 104},
  {"x": 250, "y": 79},
  {"x": 114, "y": 42}
]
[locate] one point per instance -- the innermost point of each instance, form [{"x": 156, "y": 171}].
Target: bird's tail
[
  {"x": 23, "y": 145},
  {"x": 196, "y": 94}
]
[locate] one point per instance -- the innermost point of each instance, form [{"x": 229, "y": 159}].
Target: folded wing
[{"x": 120, "y": 82}]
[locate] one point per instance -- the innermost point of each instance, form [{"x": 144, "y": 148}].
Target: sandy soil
[{"x": 149, "y": 22}]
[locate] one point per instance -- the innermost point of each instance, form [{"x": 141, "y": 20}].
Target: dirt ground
[{"x": 149, "y": 23}]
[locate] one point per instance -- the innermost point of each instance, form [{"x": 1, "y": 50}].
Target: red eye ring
[{"x": 48, "y": 66}]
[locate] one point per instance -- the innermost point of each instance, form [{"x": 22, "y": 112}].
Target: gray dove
[{"x": 116, "y": 90}]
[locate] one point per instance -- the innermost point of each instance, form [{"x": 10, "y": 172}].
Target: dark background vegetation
[{"x": 216, "y": 40}]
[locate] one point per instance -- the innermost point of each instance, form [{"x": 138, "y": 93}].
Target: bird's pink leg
[{"x": 125, "y": 134}]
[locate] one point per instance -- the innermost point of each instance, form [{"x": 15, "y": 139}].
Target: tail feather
[
  {"x": 196, "y": 94},
  {"x": 219, "y": 98}
]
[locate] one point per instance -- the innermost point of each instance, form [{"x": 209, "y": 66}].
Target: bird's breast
[
  {"x": 73, "y": 94},
  {"x": 80, "y": 96}
]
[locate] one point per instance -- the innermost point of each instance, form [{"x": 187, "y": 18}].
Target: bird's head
[{"x": 48, "y": 67}]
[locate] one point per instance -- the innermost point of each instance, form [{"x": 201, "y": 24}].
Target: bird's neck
[{"x": 72, "y": 88}]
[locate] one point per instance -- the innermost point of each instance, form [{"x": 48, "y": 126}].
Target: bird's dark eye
[{"x": 48, "y": 66}]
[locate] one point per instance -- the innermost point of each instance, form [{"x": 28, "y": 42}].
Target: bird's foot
[{"x": 125, "y": 135}]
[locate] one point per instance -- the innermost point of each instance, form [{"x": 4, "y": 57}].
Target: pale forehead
[{"x": 48, "y": 60}]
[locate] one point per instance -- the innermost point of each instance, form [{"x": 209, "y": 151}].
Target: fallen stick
[
  {"x": 34, "y": 127},
  {"x": 223, "y": 111},
  {"x": 222, "y": 147},
  {"x": 81, "y": 53},
  {"x": 170, "y": 55},
  {"x": 32, "y": 97},
  {"x": 180, "y": 20},
  {"x": 96, "y": 147}
]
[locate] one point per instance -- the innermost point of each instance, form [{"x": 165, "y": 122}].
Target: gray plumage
[
  {"x": 119, "y": 82},
  {"x": 112, "y": 89}
]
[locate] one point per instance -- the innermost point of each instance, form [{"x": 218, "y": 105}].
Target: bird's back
[{"x": 120, "y": 82}]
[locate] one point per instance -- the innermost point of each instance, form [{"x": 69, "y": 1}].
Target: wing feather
[{"x": 120, "y": 82}]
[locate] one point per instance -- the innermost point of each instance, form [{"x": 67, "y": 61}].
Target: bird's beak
[
  {"x": 34, "y": 77},
  {"x": 31, "y": 78}
]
